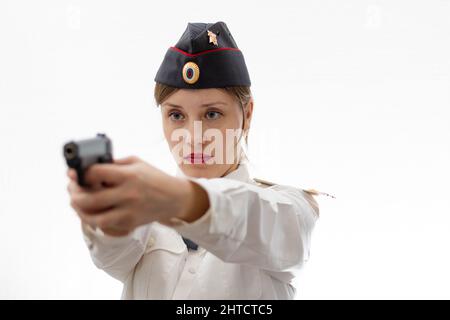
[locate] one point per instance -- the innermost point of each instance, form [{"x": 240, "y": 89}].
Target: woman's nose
[{"x": 195, "y": 131}]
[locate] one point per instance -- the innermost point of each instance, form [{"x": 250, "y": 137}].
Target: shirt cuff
[{"x": 203, "y": 220}]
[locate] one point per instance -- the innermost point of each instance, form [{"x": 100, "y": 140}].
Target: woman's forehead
[{"x": 190, "y": 98}]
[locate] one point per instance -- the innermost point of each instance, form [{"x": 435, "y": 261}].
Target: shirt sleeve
[
  {"x": 265, "y": 227},
  {"x": 117, "y": 256}
]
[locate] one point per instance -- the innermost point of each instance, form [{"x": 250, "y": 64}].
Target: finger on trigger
[{"x": 111, "y": 174}]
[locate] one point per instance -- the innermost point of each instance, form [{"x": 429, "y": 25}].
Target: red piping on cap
[{"x": 203, "y": 52}]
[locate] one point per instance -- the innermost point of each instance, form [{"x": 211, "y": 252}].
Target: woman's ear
[{"x": 248, "y": 114}]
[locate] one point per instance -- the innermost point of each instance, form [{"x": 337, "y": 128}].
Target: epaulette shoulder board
[
  {"x": 314, "y": 192},
  {"x": 263, "y": 183}
]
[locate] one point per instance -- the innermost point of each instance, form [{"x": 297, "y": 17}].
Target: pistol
[{"x": 81, "y": 154}]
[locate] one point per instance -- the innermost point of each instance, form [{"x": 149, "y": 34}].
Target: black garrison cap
[{"x": 206, "y": 56}]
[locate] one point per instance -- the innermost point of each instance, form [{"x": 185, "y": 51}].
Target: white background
[{"x": 352, "y": 98}]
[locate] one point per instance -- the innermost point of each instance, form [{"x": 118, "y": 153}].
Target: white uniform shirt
[{"x": 251, "y": 241}]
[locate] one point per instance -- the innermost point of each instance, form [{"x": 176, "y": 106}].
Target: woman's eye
[
  {"x": 176, "y": 116},
  {"x": 212, "y": 115}
]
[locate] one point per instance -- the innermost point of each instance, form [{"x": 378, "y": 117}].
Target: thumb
[{"x": 127, "y": 160}]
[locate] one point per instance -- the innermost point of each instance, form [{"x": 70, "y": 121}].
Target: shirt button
[{"x": 192, "y": 270}]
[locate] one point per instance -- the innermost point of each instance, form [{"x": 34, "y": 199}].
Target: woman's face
[{"x": 202, "y": 128}]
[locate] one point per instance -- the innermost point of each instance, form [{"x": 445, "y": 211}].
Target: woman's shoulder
[{"x": 307, "y": 194}]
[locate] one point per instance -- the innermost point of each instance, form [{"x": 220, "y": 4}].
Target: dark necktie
[{"x": 190, "y": 244}]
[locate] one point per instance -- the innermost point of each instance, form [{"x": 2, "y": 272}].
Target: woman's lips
[{"x": 197, "y": 157}]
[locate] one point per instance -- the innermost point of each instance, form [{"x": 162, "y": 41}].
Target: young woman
[{"x": 211, "y": 231}]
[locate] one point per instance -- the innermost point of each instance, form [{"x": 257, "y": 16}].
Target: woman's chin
[{"x": 198, "y": 170}]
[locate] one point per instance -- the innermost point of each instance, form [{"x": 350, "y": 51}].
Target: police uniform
[{"x": 255, "y": 234}]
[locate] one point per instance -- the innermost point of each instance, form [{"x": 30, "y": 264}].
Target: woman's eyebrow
[
  {"x": 212, "y": 103},
  {"x": 202, "y": 105},
  {"x": 171, "y": 105}
]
